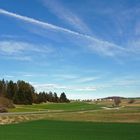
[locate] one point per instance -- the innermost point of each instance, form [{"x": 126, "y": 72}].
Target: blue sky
[{"x": 88, "y": 49}]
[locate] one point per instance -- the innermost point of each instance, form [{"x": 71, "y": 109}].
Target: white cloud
[
  {"x": 88, "y": 88},
  {"x": 121, "y": 82},
  {"x": 67, "y": 15},
  {"x": 87, "y": 79},
  {"x": 9, "y": 36},
  {"x": 36, "y": 22},
  {"x": 127, "y": 82},
  {"x": 11, "y": 47},
  {"x": 33, "y": 75},
  {"x": 96, "y": 45},
  {"x": 65, "y": 76},
  {"x": 61, "y": 88},
  {"x": 22, "y": 51},
  {"x": 76, "y": 78},
  {"x": 23, "y": 75},
  {"x": 8, "y": 76},
  {"x": 28, "y": 75},
  {"x": 48, "y": 87},
  {"x": 19, "y": 58}
]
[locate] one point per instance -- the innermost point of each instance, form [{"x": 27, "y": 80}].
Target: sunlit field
[
  {"x": 75, "y": 111},
  {"x": 72, "y": 121},
  {"x": 64, "y": 130}
]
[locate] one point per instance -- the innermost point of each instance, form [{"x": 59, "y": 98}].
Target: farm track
[
  {"x": 90, "y": 116},
  {"x": 72, "y": 112},
  {"x": 44, "y": 112},
  {"x": 16, "y": 117}
]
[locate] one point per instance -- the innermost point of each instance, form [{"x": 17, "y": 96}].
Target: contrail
[
  {"x": 105, "y": 44},
  {"x": 40, "y": 23}
]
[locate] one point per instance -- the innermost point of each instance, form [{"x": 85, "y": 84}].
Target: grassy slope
[
  {"x": 78, "y": 112},
  {"x": 63, "y": 130},
  {"x": 76, "y": 106}
]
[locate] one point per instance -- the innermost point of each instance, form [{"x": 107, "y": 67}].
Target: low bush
[
  {"x": 6, "y": 103},
  {"x": 3, "y": 110}
]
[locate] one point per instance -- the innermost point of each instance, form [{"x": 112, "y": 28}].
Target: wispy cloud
[
  {"x": 87, "y": 79},
  {"x": 37, "y": 22},
  {"x": 65, "y": 76},
  {"x": 8, "y": 76},
  {"x": 122, "y": 82},
  {"x": 76, "y": 78},
  {"x": 14, "y": 47},
  {"x": 9, "y": 36},
  {"x": 67, "y": 15},
  {"x": 19, "y": 58},
  {"x": 23, "y": 75},
  {"x": 11, "y": 47},
  {"x": 61, "y": 88},
  {"x": 126, "y": 81},
  {"x": 96, "y": 45},
  {"x": 14, "y": 50},
  {"x": 88, "y": 88},
  {"x": 20, "y": 50}
]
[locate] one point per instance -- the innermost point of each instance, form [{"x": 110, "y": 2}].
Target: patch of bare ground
[
  {"x": 18, "y": 118},
  {"x": 74, "y": 116}
]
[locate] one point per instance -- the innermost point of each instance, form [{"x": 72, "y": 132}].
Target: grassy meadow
[
  {"x": 72, "y": 121},
  {"x": 64, "y": 130},
  {"x": 75, "y": 106},
  {"x": 76, "y": 111}
]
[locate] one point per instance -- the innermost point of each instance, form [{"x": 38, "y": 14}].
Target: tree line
[{"x": 21, "y": 92}]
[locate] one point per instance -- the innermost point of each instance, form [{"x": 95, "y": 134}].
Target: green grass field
[
  {"x": 76, "y": 106},
  {"x": 72, "y": 121},
  {"x": 63, "y": 130},
  {"x": 75, "y": 111}
]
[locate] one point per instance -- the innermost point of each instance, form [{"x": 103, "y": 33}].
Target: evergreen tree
[
  {"x": 22, "y": 92},
  {"x": 56, "y": 99},
  {"x": 50, "y": 97},
  {"x": 63, "y": 98},
  {"x": 2, "y": 88},
  {"x": 11, "y": 89}
]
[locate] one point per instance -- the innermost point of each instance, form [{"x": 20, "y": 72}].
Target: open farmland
[
  {"x": 75, "y": 106},
  {"x": 63, "y": 130},
  {"x": 75, "y": 111},
  {"x": 72, "y": 121}
]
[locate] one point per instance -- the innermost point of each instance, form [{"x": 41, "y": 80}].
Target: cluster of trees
[
  {"x": 21, "y": 92},
  {"x": 50, "y": 97}
]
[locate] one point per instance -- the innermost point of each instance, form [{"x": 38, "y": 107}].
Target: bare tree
[
  {"x": 117, "y": 101},
  {"x": 131, "y": 101}
]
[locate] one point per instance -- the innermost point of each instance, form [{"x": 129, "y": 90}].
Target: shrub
[
  {"x": 6, "y": 103},
  {"x": 3, "y": 110},
  {"x": 131, "y": 101}
]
